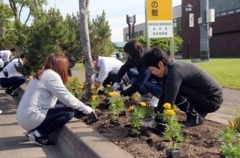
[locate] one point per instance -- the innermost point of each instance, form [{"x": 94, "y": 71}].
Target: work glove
[
  {"x": 153, "y": 102},
  {"x": 115, "y": 86}
]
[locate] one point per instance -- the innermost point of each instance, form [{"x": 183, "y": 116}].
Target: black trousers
[
  {"x": 56, "y": 117},
  {"x": 200, "y": 101},
  {"x": 109, "y": 80}
]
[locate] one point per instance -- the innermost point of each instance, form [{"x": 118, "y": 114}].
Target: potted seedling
[
  {"x": 117, "y": 106},
  {"x": 136, "y": 118},
  {"x": 173, "y": 131},
  {"x": 230, "y": 137},
  {"x": 77, "y": 89},
  {"x": 94, "y": 101}
]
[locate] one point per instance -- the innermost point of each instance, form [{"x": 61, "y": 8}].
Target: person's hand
[
  {"x": 28, "y": 79},
  {"x": 87, "y": 110},
  {"x": 115, "y": 86},
  {"x": 96, "y": 85}
]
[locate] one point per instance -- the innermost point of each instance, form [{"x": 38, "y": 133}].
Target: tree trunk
[{"x": 86, "y": 48}]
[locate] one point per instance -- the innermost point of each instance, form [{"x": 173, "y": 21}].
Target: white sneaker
[
  {"x": 144, "y": 98},
  {"x": 154, "y": 102},
  {"x": 0, "y": 111}
]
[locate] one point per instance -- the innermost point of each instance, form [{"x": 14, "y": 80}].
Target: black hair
[
  {"x": 94, "y": 58},
  {"x": 135, "y": 51},
  {"x": 22, "y": 56},
  {"x": 154, "y": 56},
  {"x": 13, "y": 50}
]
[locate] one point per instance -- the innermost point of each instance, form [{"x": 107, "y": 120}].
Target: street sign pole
[{"x": 146, "y": 24}]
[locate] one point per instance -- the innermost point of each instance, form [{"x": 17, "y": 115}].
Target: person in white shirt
[
  {"x": 6, "y": 55},
  {"x": 1, "y": 64},
  {"x": 37, "y": 111},
  {"x": 107, "y": 69},
  {"x": 10, "y": 77}
]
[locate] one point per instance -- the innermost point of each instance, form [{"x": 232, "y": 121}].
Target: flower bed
[{"x": 200, "y": 141}]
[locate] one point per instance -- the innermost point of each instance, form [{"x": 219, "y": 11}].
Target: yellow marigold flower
[
  {"x": 110, "y": 94},
  {"x": 131, "y": 108},
  {"x": 231, "y": 124},
  {"x": 115, "y": 93},
  {"x": 167, "y": 106},
  {"x": 93, "y": 98},
  {"x": 170, "y": 112},
  {"x": 143, "y": 104},
  {"x": 81, "y": 87},
  {"x": 108, "y": 85}
]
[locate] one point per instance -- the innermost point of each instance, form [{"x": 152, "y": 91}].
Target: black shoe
[
  {"x": 13, "y": 94},
  {"x": 8, "y": 91},
  {"x": 42, "y": 141},
  {"x": 193, "y": 120}
]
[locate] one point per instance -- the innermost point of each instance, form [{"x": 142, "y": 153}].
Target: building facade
[
  {"x": 140, "y": 29},
  {"x": 225, "y": 39}
]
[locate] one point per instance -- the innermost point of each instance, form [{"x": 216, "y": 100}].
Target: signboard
[
  {"x": 191, "y": 20},
  {"x": 159, "y": 18}
]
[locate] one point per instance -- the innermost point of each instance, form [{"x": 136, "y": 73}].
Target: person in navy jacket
[{"x": 141, "y": 79}]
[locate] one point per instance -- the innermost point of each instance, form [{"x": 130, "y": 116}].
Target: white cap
[{"x": 1, "y": 63}]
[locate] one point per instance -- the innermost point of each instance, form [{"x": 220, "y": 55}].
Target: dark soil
[{"x": 201, "y": 141}]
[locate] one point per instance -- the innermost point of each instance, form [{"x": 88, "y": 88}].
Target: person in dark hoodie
[
  {"x": 141, "y": 79},
  {"x": 185, "y": 85}
]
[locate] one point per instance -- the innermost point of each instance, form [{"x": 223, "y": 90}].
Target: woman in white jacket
[{"x": 37, "y": 112}]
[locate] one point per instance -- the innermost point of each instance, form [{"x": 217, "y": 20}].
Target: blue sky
[{"x": 116, "y": 11}]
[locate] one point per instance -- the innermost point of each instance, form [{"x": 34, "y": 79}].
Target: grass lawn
[
  {"x": 225, "y": 71},
  {"x": 79, "y": 67}
]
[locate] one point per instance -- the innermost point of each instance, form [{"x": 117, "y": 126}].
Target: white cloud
[{"x": 116, "y": 11}]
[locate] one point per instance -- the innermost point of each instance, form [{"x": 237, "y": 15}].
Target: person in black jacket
[
  {"x": 186, "y": 85},
  {"x": 141, "y": 79},
  {"x": 71, "y": 63}
]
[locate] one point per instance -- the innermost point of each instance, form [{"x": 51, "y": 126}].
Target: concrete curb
[{"x": 78, "y": 140}]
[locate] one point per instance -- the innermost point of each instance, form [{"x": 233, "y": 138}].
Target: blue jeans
[
  {"x": 56, "y": 117},
  {"x": 13, "y": 82},
  {"x": 149, "y": 87}
]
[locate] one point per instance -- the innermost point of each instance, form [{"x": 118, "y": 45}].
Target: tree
[
  {"x": 86, "y": 48},
  {"x": 100, "y": 35},
  {"x": 49, "y": 33},
  {"x": 163, "y": 43},
  {"x": 6, "y": 26}
]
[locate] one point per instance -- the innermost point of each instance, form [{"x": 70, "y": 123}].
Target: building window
[
  {"x": 127, "y": 37},
  {"x": 231, "y": 12},
  {"x": 136, "y": 34},
  {"x": 223, "y": 13},
  {"x": 140, "y": 33},
  {"x": 238, "y": 10}
]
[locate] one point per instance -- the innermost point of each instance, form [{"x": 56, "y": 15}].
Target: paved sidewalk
[{"x": 13, "y": 143}]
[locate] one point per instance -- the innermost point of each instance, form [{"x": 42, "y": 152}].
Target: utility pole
[{"x": 204, "y": 40}]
